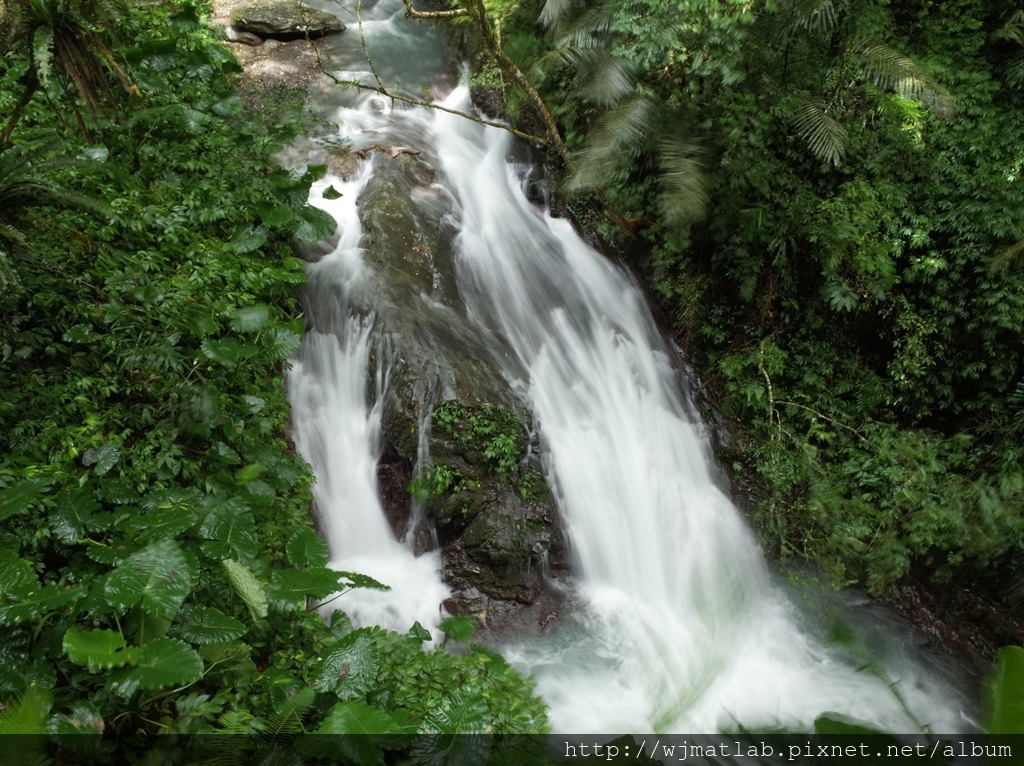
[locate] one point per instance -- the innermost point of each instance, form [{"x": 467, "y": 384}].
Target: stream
[{"x": 677, "y": 623}]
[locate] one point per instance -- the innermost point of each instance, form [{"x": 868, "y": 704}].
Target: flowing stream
[{"x": 677, "y": 625}]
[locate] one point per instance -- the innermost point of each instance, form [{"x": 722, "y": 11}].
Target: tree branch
[
  {"x": 412, "y": 13},
  {"x": 428, "y": 104}
]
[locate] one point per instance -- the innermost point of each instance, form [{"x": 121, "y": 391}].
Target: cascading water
[
  {"x": 681, "y": 629},
  {"x": 340, "y": 436},
  {"x": 678, "y": 627}
]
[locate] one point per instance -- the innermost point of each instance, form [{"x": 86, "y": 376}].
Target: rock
[
  {"x": 245, "y": 38},
  {"x": 284, "y": 20},
  {"x": 495, "y": 519}
]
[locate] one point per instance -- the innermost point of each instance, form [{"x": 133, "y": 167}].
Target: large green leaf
[
  {"x": 165, "y": 523},
  {"x": 102, "y": 458},
  {"x": 350, "y": 670},
  {"x": 18, "y": 497},
  {"x": 274, "y": 215},
  {"x": 1005, "y": 708},
  {"x": 231, "y": 530},
  {"x": 157, "y": 578},
  {"x": 164, "y": 662},
  {"x": 460, "y": 628},
  {"x": 22, "y": 596},
  {"x": 28, "y": 603},
  {"x": 227, "y": 351},
  {"x": 98, "y": 649},
  {"x": 176, "y": 499},
  {"x": 202, "y": 625},
  {"x": 73, "y": 516},
  {"x": 249, "y": 239},
  {"x": 83, "y": 718},
  {"x": 251, "y": 318},
  {"x": 247, "y": 587},
  {"x": 284, "y": 343},
  {"x": 364, "y": 581},
  {"x": 356, "y": 717},
  {"x": 306, "y": 549},
  {"x": 294, "y": 586},
  {"x": 314, "y": 224},
  {"x": 15, "y": 571}
]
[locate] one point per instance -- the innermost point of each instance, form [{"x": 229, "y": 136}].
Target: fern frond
[
  {"x": 555, "y": 12},
  {"x": 619, "y": 130},
  {"x": 289, "y": 712},
  {"x": 889, "y": 69},
  {"x": 684, "y": 195},
  {"x": 1012, "y": 30},
  {"x": 825, "y": 137},
  {"x": 605, "y": 78},
  {"x": 1014, "y": 71},
  {"x": 819, "y": 17}
]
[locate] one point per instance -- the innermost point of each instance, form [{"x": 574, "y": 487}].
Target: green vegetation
[
  {"x": 157, "y": 561},
  {"x": 488, "y": 436}
]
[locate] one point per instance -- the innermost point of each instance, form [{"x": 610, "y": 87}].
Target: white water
[
  {"x": 339, "y": 434},
  {"x": 677, "y": 627},
  {"x": 680, "y": 628}
]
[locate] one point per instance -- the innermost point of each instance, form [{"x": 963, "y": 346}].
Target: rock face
[
  {"x": 283, "y": 20},
  {"x": 481, "y": 484}
]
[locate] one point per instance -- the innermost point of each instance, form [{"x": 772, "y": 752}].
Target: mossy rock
[{"x": 285, "y": 20}]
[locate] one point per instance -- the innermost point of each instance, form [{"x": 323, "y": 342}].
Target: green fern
[
  {"x": 889, "y": 69},
  {"x": 818, "y": 17},
  {"x": 290, "y": 709},
  {"x": 684, "y": 195},
  {"x": 824, "y": 136},
  {"x": 619, "y": 131}
]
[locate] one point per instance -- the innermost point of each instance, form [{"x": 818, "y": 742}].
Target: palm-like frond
[
  {"x": 825, "y": 137},
  {"x": 605, "y": 79},
  {"x": 66, "y": 41},
  {"x": 555, "y": 12},
  {"x": 684, "y": 195},
  {"x": 620, "y": 130},
  {"x": 889, "y": 69},
  {"x": 25, "y": 182},
  {"x": 818, "y": 17},
  {"x": 1012, "y": 30}
]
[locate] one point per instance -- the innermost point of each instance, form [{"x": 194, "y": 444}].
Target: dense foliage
[
  {"x": 830, "y": 199},
  {"x": 157, "y": 559}
]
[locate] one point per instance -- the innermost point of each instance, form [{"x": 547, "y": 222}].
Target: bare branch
[
  {"x": 362, "y": 41},
  {"x": 412, "y": 13},
  {"x": 428, "y": 104}
]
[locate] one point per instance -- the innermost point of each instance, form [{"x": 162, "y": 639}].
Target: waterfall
[
  {"x": 677, "y": 625},
  {"x": 339, "y": 435}
]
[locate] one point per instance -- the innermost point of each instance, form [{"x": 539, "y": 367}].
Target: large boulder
[{"x": 283, "y": 20}]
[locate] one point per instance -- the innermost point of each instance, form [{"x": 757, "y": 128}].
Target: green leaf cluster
[
  {"x": 826, "y": 195},
  {"x": 159, "y": 570}
]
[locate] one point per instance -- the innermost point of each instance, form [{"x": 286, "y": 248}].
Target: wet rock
[
  {"x": 496, "y": 521},
  {"x": 245, "y": 38},
  {"x": 284, "y": 20}
]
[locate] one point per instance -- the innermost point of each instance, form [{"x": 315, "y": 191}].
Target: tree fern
[
  {"x": 620, "y": 131},
  {"x": 1012, "y": 30},
  {"x": 824, "y": 136},
  {"x": 889, "y": 69},
  {"x": 818, "y": 17},
  {"x": 684, "y": 195}
]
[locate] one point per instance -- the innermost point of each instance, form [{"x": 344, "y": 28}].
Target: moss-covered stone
[{"x": 495, "y": 518}]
